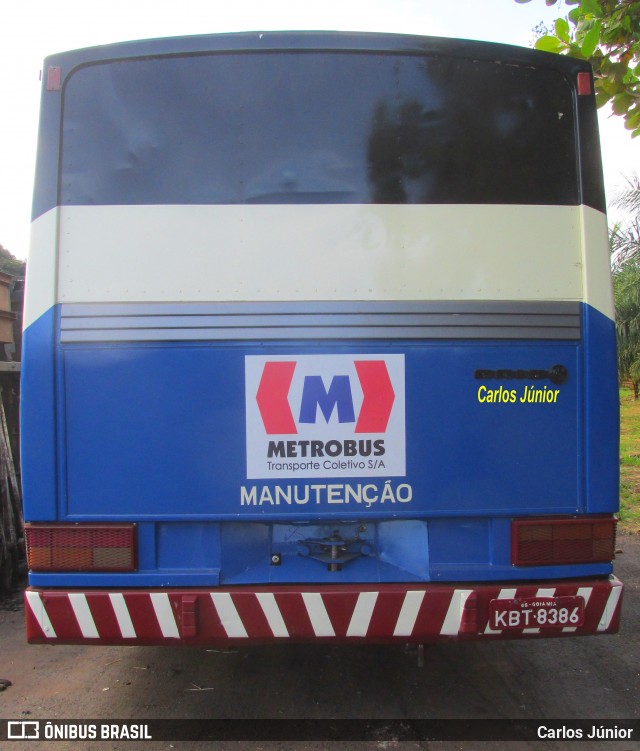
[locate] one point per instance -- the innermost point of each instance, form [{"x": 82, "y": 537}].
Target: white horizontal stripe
[
  {"x": 125, "y": 624},
  {"x": 610, "y": 608},
  {"x": 37, "y": 608},
  {"x": 539, "y": 593},
  {"x": 83, "y": 615},
  {"x": 453, "y": 618},
  {"x": 272, "y": 613},
  {"x": 361, "y": 617},
  {"x": 318, "y": 614},
  {"x": 42, "y": 269},
  {"x": 229, "y": 617},
  {"x": 165, "y": 616},
  {"x": 409, "y": 613},
  {"x": 504, "y": 594},
  {"x": 266, "y": 253},
  {"x": 326, "y": 252},
  {"x": 598, "y": 290}
]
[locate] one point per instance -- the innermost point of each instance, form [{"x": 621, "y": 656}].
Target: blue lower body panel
[{"x": 377, "y": 461}]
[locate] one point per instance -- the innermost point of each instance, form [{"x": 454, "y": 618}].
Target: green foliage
[
  {"x": 629, "y": 461},
  {"x": 626, "y": 292},
  {"x": 607, "y": 34},
  {"x": 624, "y": 238},
  {"x": 9, "y": 264}
]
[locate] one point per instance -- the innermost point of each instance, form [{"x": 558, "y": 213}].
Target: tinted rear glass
[{"x": 317, "y": 128}]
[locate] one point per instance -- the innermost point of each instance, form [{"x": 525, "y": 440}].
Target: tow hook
[{"x": 334, "y": 551}]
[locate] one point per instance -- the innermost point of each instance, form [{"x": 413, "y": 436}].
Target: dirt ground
[{"x": 574, "y": 678}]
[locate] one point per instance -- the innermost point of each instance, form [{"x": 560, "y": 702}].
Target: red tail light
[
  {"x": 546, "y": 542},
  {"x": 81, "y": 547}
]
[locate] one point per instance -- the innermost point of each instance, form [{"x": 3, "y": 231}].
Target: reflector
[
  {"x": 544, "y": 542},
  {"x": 78, "y": 547}
]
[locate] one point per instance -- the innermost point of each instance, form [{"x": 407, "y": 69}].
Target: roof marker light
[
  {"x": 585, "y": 88},
  {"x": 54, "y": 78}
]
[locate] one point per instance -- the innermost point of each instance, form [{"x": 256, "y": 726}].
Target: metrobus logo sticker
[{"x": 325, "y": 416}]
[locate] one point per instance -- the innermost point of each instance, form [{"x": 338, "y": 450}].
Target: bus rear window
[{"x": 317, "y": 128}]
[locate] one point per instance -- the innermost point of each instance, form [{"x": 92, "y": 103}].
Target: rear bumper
[{"x": 337, "y": 613}]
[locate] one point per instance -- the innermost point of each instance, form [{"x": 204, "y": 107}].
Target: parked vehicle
[{"x": 319, "y": 345}]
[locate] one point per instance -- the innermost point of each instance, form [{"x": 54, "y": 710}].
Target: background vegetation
[
  {"x": 629, "y": 461},
  {"x": 9, "y": 264}
]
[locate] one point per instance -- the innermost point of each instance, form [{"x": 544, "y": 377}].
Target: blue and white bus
[{"x": 319, "y": 345}]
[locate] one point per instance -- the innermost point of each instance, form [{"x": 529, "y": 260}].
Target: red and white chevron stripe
[{"x": 346, "y": 613}]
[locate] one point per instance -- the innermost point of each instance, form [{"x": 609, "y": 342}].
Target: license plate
[{"x": 536, "y": 612}]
